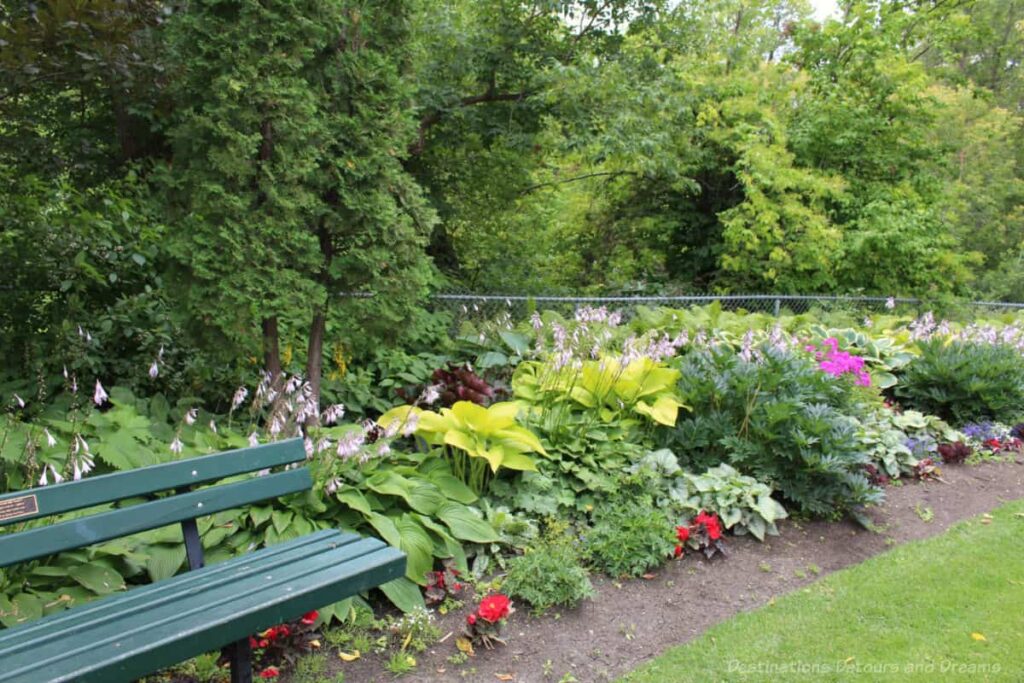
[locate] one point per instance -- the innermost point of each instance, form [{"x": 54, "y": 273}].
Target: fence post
[{"x": 778, "y": 306}]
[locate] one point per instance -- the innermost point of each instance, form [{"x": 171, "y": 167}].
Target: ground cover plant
[{"x": 892, "y": 617}]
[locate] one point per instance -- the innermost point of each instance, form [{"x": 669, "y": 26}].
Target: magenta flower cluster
[{"x": 838, "y": 363}]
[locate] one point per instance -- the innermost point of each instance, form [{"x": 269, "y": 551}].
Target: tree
[{"x": 286, "y": 168}]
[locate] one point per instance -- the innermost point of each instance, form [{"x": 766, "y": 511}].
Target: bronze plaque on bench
[{"x": 13, "y": 508}]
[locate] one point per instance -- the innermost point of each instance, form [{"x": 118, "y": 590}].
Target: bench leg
[{"x": 240, "y": 656}]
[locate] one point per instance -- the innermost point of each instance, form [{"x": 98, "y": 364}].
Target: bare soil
[{"x": 629, "y": 622}]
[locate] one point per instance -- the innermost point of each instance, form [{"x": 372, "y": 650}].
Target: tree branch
[
  {"x": 611, "y": 175},
  {"x": 434, "y": 117}
]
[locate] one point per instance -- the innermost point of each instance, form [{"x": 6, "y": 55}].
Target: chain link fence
[{"x": 466, "y": 306}]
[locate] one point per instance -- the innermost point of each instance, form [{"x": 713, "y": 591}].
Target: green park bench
[{"x": 130, "y": 634}]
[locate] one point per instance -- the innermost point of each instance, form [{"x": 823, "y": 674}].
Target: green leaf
[
  {"x": 453, "y": 488},
  {"x": 164, "y": 561},
  {"x": 281, "y": 519},
  {"x": 465, "y": 524},
  {"x": 417, "y": 546},
  {"x": 385, "y": 528},
  {"x": 355, "y": 500},
  {"x": 97, "y": 578},
  {"x": 403, "y": 594}
]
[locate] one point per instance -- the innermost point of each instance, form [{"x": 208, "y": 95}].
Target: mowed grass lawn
[{"x": 947, "y": 608}]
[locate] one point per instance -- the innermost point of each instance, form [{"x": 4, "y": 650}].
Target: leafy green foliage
[
  {"x": 965, "y": 381},
  {"x": 477, "y": 438},
  {"x": 629, "y": 537},
  {"x": 550, "y": 573},
  {"x": 779, "y": 419}
]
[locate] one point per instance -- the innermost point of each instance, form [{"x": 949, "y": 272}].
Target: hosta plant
[{"x": 478, "y": 441}]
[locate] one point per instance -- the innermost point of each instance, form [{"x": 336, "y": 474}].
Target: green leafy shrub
[
  {"x": 550, "y": 573},
  {"x": 965, "y": 381},
  {"x": 778, "y": 418},
  {"x": 629, "y": 537},
  {"x": 744, "y": 504}
]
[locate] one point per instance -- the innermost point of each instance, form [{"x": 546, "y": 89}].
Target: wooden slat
[
  {"x": 93, "y": 614},
  {"x": 75, "y": 495},
  {"x": 77, "y": 533},
  {"x": 141, "y": 641}
]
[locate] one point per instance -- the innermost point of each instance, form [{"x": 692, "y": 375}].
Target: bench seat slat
[
  {"x": 106, "y": 488},
  {"x": 171, "y": 589},
  {"x": 77, "y": 533},
  {"x": 202, "y": 618}
]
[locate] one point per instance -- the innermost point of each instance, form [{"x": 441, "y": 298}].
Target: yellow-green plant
[
  {"x": 608, "y": 386},
  {"x": 476, "y": 439}
]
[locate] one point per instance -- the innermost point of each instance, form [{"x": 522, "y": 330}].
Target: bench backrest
[{"x": 179, "y": 476}]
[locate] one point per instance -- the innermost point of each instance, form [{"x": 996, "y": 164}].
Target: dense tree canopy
[{"x": 210, "y": 176}]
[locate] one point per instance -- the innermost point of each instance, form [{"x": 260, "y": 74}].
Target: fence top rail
[{"x": 470, "y": 297}]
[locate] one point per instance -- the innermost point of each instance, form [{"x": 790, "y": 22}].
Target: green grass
[{"x": 908, "y": 614}]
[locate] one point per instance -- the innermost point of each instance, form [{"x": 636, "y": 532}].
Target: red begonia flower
[{"x": 494, "y": 608}]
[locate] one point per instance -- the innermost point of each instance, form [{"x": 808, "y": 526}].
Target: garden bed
[{"x": 628, "y": 622}]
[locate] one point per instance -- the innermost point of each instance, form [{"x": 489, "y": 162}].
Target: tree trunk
[
  {"x": 315, "y": 352},
  {"x": 271, "y": 349},
  {"x": 317, "y": 329}
]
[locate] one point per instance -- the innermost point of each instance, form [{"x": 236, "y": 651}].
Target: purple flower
[
  {"x": 154, "y": 370},
  {"x": 333, "y": 413},
  {"x": 350, "y": 444}
]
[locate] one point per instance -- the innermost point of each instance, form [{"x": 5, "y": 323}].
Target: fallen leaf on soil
[
  {"x": 978, "y": 636},
  {"x": 346, "y": 657},
  {"x": 648, "y": 576},
  {"x": 464, "y": 645},
  {"x": 441, "y": 670},
  {"x": 505, "y": 677},
  {"x": 315, "y": 644}
]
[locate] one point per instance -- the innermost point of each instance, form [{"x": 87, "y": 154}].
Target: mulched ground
[{"x": 631, "y": 621}]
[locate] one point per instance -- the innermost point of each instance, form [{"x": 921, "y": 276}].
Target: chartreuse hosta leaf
[
  {"x": 642, "y": 386},
  {"x": 490, "y": 433}
]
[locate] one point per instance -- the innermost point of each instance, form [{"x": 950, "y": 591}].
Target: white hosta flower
[
  {"x": 99, "y": 396},
  {"x": 50, "y": 441},
  {"x": 81, "y": 444},
  {"x": 254, "y": 439},
  {"x": 57, "y": 478},
  {"x": 431, "y": 394},
  {"x": 890, "y": 303},
  {"x": 307, "y": 445},
  {"x": 177, "y": 446},
  {"x": 411, "y": 422},
  {"x": 332, "y": 486},
  {"x": 213, "y": 426},
  {"x": 191, "y": 415},
  {"x": 275, "y": 426},
  {"x": 81, "y": 465},
  {"x": 154, "y": 370},
  {"x": 239, "y": 397}
]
